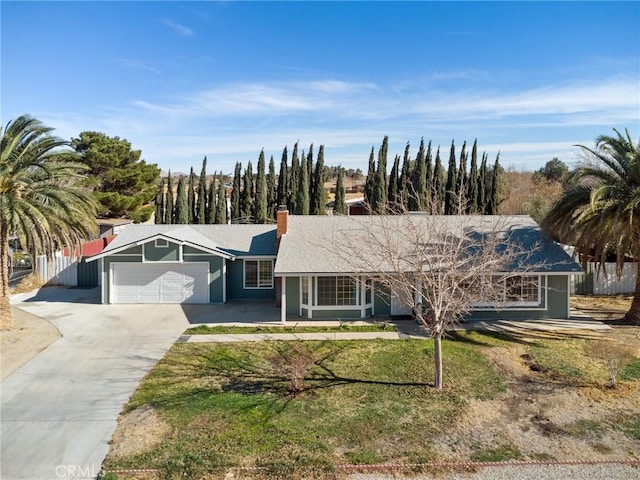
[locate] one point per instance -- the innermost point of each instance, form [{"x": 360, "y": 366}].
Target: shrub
[
  {"x": 293, "y": 362},
  {"x": 613, "y": 356}
]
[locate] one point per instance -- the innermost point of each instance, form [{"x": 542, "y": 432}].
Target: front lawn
[
  {"x": 208, "y": 410},
  {"x": 366, "y": 402}
]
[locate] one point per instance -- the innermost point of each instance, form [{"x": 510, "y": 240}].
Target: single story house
[{"x": 299, "y": 263}]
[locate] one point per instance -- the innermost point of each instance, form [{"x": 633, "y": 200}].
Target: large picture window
[
  {"x": 258, "y": 274},
  {"x": 522, "y": 289},
  {"x": 337, "y": 291}
]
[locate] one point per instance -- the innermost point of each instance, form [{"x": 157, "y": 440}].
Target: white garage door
[{"x": 160, "y": 283}]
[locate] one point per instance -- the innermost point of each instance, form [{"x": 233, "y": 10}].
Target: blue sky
[{"x": 181, "y": 80}]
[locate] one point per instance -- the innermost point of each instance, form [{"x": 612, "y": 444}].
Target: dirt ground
[
  {"x": 604, "y": 307},
  {"x": 28, "y": 336}
]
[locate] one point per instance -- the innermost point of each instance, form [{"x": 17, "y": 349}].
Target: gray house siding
[
  {"x": 170, "y": 253},
  {"x": 235, "y": 284},
  {"x": 293, "y": 297}
]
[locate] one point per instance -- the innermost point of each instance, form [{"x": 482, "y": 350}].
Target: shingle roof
[
  {"x": 317, "y": 244},
  {"x": 237, "y": 240}
]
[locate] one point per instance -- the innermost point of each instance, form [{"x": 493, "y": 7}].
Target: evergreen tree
[
  {"x": 191, "y": 196},
  {"x": 210, "y": 215},
  {"x": 220, "y": 217},
  {"x": 461, "y": 184},
  {"x": 302, "y": 189},
  {"x": 450, "y": 200},
  {"x": 182, "y": 203},
  {"x": 370, "y": 180},
  {"x": 426, "y": 202},
  {"x": 260, "y": 213},
  {"x": 497, "y": 188},
  {"x": 418, "y": 181},
  {"x": 472, "y": 182},
  {"x": 340, "y": 204},
  {"x": 271, "y": 190},
  {"x": 294, "y": 178},
  {"x": 312, "y": 183},
  {"x": 246, "y": 195},
  {"x": 235, "y": 194},
  {"x": 319, "y": 201},
  {"x": 379, "y": 201},
  {"x": 438, "y": 183},
  {"x": 482, "y": 186},
  {"x": 169, "y": 210},
  {"x": 392, "y": 192},
  {"x": 201, "y": 208},
  {"x": 283, "y": 184},
  {"x": 404, "y": 190},
  {"x": 160, "y": 205}
]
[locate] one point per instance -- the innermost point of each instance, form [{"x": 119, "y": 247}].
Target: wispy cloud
[
  {"x": 233, "y": 122},
  {"x": 178, "y": 28}
]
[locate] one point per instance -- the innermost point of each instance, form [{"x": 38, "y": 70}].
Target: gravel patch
[{"x": 603, "y": 471}]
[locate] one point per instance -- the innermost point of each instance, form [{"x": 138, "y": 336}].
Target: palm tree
[
  {"x": 41, "y": 201},
  {"x": 599, "y": 211}
]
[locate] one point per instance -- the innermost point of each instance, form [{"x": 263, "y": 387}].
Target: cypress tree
[
  {"x": 450, "y": 201},
  {"x": 319, "y": 201},
  {"x": 438, "y": 183},
  {"x": 370, "y": 180},
  {"x": 182, "y": 203},
  {"x": 201, "y": 209},
  {"x": 495, "y": 198},
  {"x": 283, "y": 184},
  {"x": 271, "y": 190},
  {"x": 235, "y": 194},
  {"x": 461, "y": 184},
  {"x": 302, "y": 189},
  {"x": 392, "y": 192},
  {"x": 220, "y": 217},
  {"x": 159, "y": 217},
  {"x": 191, "y": 197},
  {"x": 340, "y": 204},
  {"x": 426, "y": 199},
  {"x": 404, "y": 191},
  {"x": 418, "y": 181},
  {"x": 246, "y": 195},
  {"x": 379, "y": 204},
  {"x": 210, "y": 215},
  {"x": 312, "y": 184},
  {"x": 261, "y": 192},
  {"x": 472, "y": 182},
  {"x": 482, "y": 186},
  {"x": 169, "y": 210},
  {"x": 294, "y": 178}
]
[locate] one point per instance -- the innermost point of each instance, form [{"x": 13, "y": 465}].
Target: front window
[
  {"x": 522, "y": 288},
  {"x": 258, "y": 274},
  {"x": 337, "y": 291}
]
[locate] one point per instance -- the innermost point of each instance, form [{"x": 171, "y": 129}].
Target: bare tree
[{"x": 442, "y": 267}]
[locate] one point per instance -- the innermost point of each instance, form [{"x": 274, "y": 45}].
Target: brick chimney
[{"x": 282, "y": 220}]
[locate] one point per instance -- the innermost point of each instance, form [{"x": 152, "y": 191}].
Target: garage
[{"x": 160, "y": 282}]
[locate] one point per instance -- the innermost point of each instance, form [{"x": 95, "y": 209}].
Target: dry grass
[
  {"x": 27, "y": 284},
  {"x": 604, "y": 307}
]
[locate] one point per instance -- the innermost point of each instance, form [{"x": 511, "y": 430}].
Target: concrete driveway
[{"x": 59, "y": 411}]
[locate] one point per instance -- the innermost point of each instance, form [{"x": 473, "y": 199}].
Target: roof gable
[{"x": 227, "y": 241}]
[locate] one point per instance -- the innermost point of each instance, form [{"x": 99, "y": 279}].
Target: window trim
[
  {"x": 258, "y": 286},
  {"x": 540, "y": 304},
  {"x": 159, "y": 245}
]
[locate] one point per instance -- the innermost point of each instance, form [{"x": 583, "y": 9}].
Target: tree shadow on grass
[{"x": 199, "y": 375}]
